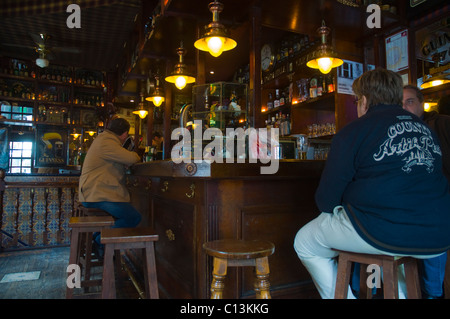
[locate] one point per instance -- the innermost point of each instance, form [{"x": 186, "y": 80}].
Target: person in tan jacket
[{"x": 102, "y": 180}]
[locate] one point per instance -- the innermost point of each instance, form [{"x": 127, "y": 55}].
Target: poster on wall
[
  {"x": 346, "y": 74},
  {"x": 397, "y": 51},
  {"x": 51, "y": 147}
]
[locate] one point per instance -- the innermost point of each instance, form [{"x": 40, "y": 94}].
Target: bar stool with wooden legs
[
  {"x": 233, "y": 252},
  {"x": 389, "y": 264},
  {"x": 81, "y": 226},
  {"x": 87, "y": 261},
  {"x": 129, "y": 238}
]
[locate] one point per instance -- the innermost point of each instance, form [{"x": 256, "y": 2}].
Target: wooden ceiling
[{"x": 105, "y": 27}]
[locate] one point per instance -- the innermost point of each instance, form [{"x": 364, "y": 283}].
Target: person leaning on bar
[
  {"x": 382, "y": 190},
  {"x": 102, "y": 181},
  {"x": 432, "y": 271}
]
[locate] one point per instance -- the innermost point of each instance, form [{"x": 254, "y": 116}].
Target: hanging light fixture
[
  {"x": 215, "y": 40},
  {"x": 158, "y": 94},
  {"x": 430, "y": 81},
  {"x": 324, "y": 58},
  {"x": 180, "y": 77},
  {"x": 75, "y": 134},
  {"x": 141, "y": 110}
]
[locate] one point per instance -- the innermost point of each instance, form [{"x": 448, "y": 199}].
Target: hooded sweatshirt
[{"x": 385, "y": 168}]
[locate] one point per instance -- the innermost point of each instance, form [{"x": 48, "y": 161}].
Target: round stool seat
[{"x": 239, "y": 249}]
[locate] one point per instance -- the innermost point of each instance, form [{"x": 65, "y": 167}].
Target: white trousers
[{"x": 314, "y": 244}]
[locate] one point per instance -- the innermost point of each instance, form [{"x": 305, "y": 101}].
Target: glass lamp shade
[
  {"x": 180, "y": 80},
  {"x": 325, "y": 64},
  {"x": 157, "y": 100},
  {"x": 157, "y": 97},
  {"x": 433, "y": 81},
  {"x": 141, "y": 111},
  {"x": 215, "y": 45}
]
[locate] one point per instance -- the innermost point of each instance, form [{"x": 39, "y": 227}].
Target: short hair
[
  {"x": 379, "y": 86},
  {"x": 444, "y": 105},
  {"x": 419, "y": 93},
  {"x": 119, "y": 126}
]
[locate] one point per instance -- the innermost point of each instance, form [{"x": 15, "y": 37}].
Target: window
[
  {"x": 20, "y": 157},
  {"x": 16, "y": 112}
]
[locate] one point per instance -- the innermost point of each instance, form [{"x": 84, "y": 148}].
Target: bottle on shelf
[
  {"x": 270, "y": 102},
  {"x": 282, "y": 98},
  {"x": 276, "y": 102}
]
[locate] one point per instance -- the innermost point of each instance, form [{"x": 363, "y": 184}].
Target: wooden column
[
  {"x": 168, "y": 89},
  {"x": 255, "y": 118}
]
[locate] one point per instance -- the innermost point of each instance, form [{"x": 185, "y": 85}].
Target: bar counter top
[{"x": 204, "y": 169}]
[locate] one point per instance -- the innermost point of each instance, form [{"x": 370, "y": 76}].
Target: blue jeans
[
  {"x": 431, "y": 272},
  {"x": 126, "y": 215}
]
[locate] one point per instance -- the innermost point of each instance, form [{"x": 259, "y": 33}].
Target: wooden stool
[
  {"x": 81, "y": 225},
  {"x": 87, "y": 238},
  {"x": 129, "y": 238},
  {"x": 389, "y": 264},
  {"x": 233, "y": 252}
]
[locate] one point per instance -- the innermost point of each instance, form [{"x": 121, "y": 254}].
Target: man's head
[
  {"x": 120, "y": 127},
  {"x": 413, "y": 100},
  {"x": 379, "y": 86}
]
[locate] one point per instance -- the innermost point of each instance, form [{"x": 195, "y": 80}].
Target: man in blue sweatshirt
[
  {"x": 382, "y": 190},
  {"x": 432, "y": 271}
]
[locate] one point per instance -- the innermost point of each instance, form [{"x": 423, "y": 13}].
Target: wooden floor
[{"x": 52, "y": 264}]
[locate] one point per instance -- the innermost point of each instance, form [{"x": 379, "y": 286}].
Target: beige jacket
[{"x": 103, "y": 173}]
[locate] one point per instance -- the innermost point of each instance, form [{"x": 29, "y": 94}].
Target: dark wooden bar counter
[{"x": 189, "y": 204}]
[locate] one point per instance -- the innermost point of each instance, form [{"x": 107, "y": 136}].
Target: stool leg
[
  {"x": 343, "y": 277},
  {"x": 219, "y": 274},
  {"x": 390, "y": 280},
  {"x": 364, "y": 290},
  {"x": 412, "y": 280},
  {"x": 262, "y": 283},
  {"x": 108, "y": 281},
  {"x": 88, "y": 256},
  {"x": 73, "y": 256},
  {"x": 151, "y": 280}
]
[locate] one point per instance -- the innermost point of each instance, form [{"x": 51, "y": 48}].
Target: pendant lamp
[
  {"x": 430, "y": 81},
  {"x": 158, "y": 94},
  {"x": 215, "y": 40},
  {"x": 324, "y": 58},
  {"x": 180, "y": 77},
  {"x": 141, "y": 110}
]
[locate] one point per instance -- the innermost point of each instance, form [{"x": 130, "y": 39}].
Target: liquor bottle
[
  {"x": 320, "y": 86},
  {"x": 330, "y": 87},
  {"x": 270, "y": 102},
  {"x": 276, "y": 102},
  {"x": 313, "y": 88},
  {"x": 282, "y": 99}
]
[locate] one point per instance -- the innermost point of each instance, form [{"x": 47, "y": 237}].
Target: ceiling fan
[{"x": 44, "y": 50}]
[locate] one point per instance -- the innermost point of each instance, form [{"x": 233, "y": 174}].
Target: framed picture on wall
[
  {"x": 397, "y": 51},
  {"x": 51, "y": 147}
]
